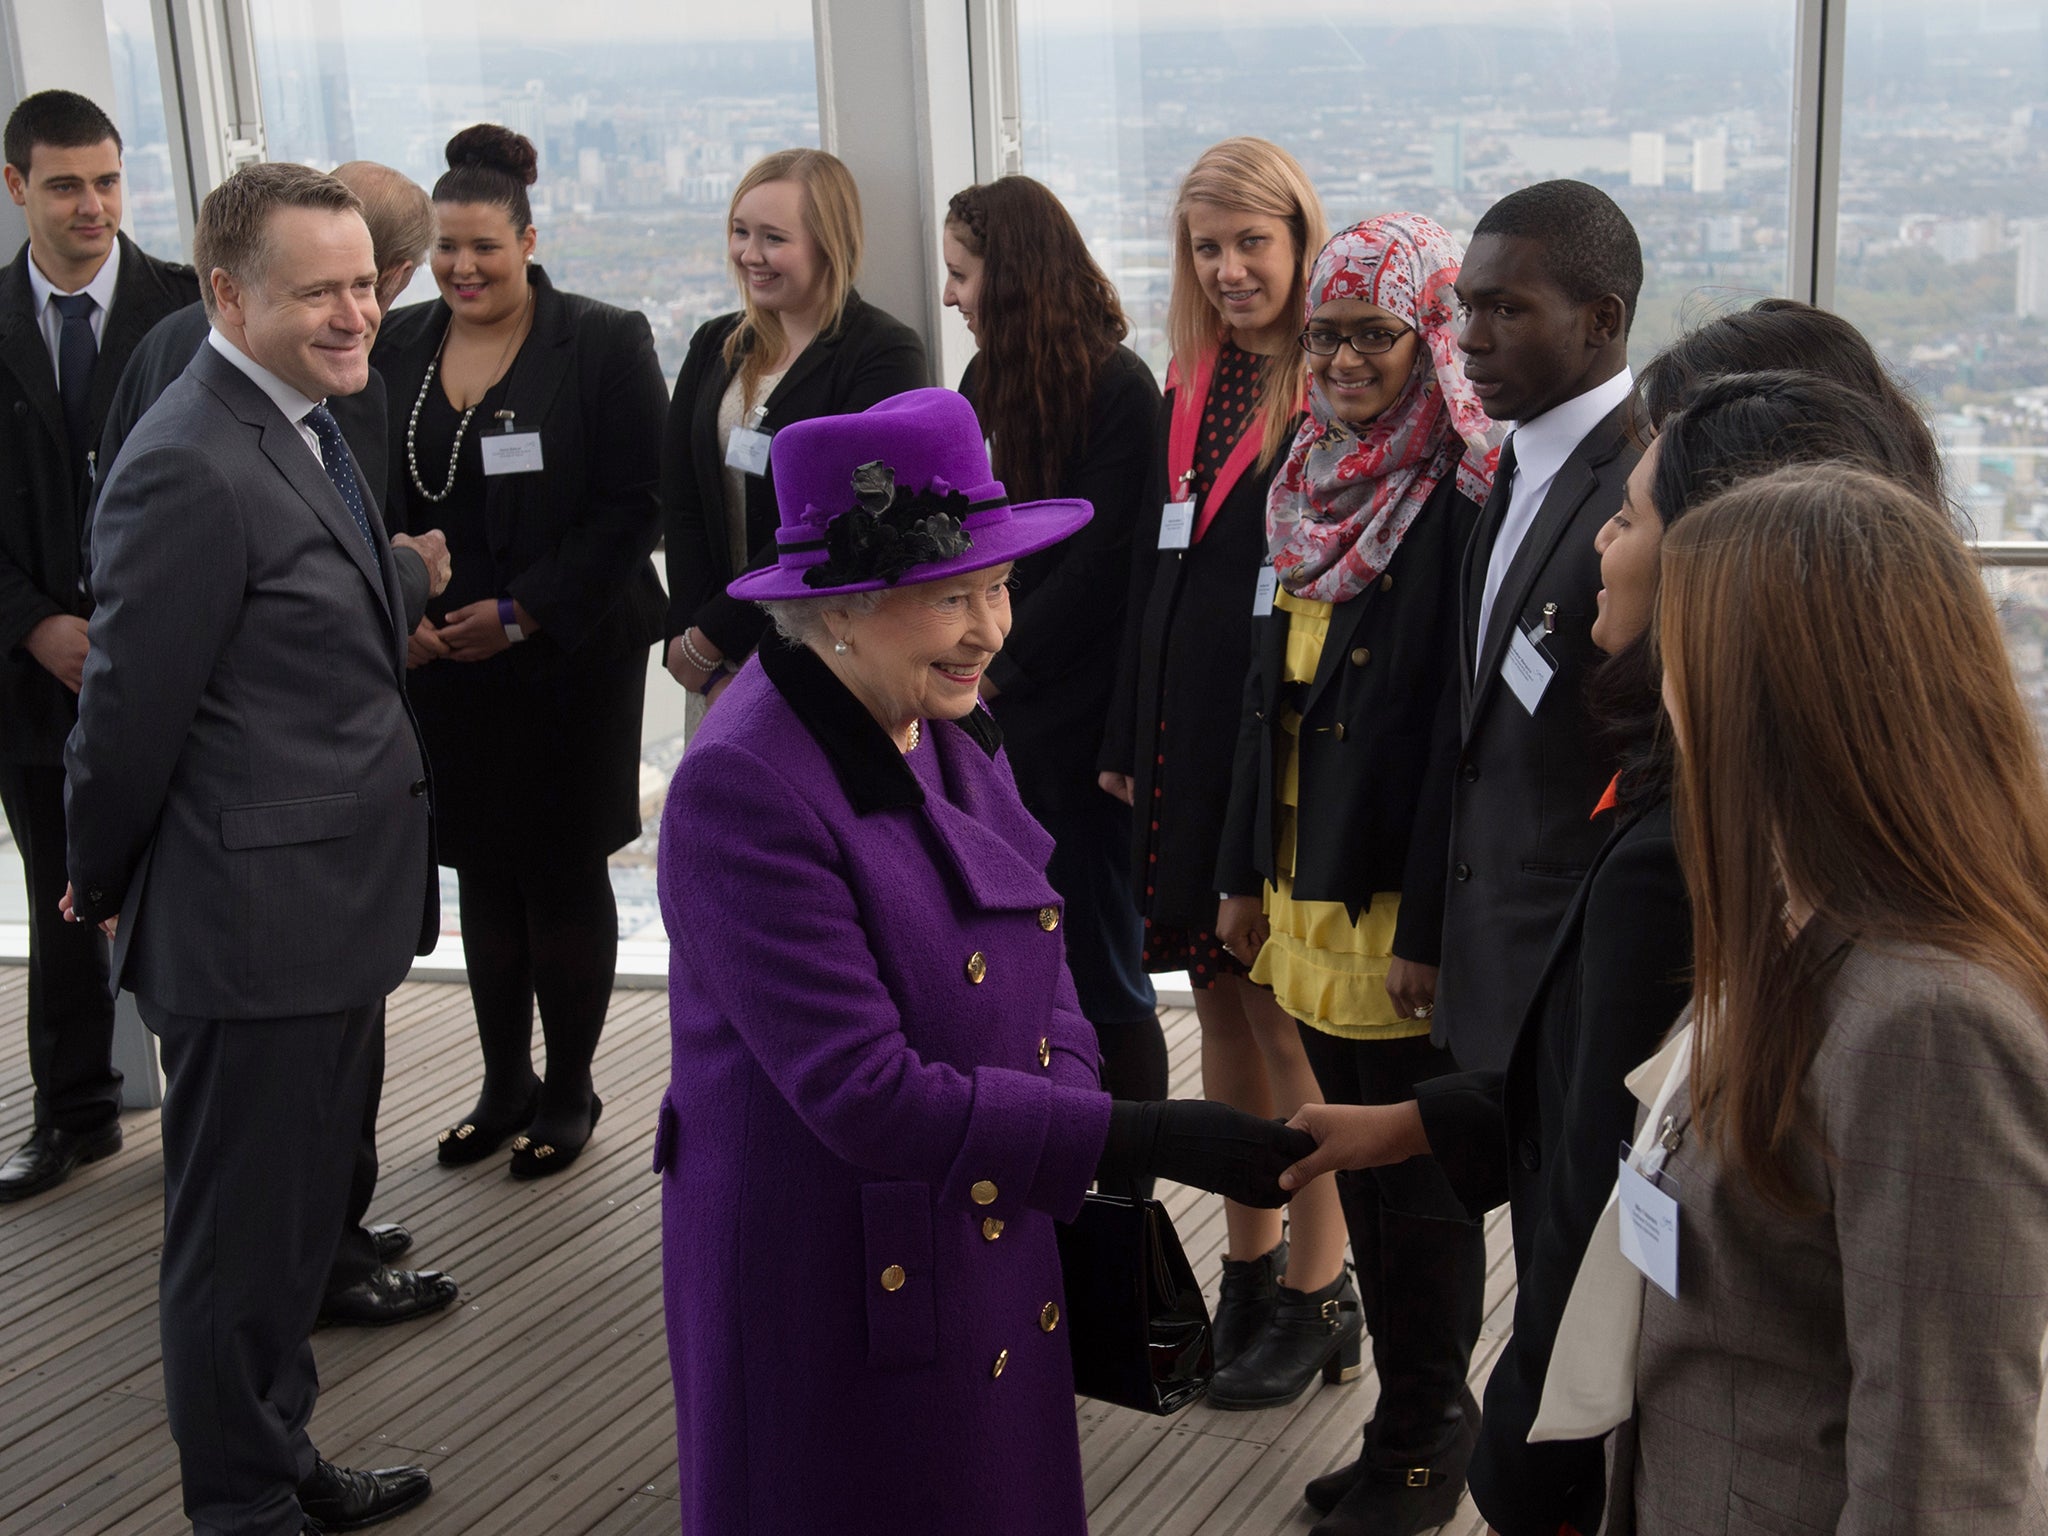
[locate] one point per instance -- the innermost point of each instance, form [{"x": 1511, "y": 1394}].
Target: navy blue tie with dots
[
  {"x": 77, "y": 351},
  {"x": 342, "y": 472}
]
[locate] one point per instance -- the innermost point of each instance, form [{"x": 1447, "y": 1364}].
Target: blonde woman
[
  {"x": 1246, "y": 223},
  {"x": 803, "y": 344}
]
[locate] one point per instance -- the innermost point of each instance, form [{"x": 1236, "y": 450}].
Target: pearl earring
[{"x": 840, "y": 647}]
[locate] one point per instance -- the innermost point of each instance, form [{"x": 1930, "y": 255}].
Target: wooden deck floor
[{"x": 541, "y": 1401}]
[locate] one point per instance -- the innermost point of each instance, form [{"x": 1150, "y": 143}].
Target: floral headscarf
[{"x": 1346, "y": 495}]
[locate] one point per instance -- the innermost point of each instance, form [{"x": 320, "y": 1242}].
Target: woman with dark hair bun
[
  {"x": 526, "y": 423},
  {"x": 1071, "y": 412}
]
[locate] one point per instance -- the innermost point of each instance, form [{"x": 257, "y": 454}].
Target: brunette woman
[
  {"x": 1068, "y": 411},
  {"x": 527, "y": 417},
  {"x": 802, "y": 344},
  {"x": 1246, "y": 223}
]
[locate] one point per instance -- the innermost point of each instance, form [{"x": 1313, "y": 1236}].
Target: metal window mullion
[
  {"x": 1818, "y": 51},
  {"x": 212, "y": 105}
]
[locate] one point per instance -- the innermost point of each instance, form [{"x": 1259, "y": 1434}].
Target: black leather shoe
[
  {"x": 474, "y": 1140},
  {"x": 1311, "y": 1332},
  {"x": 1244, "y": 1306},
  {"x": 1395, "y": 1495},
  {"x": 337, "y": 1499},
  {"x": 390, "y": 1240},
  {"x": 538, "y": 1159},
  {"x": 388, "y": 1295},
  {"x": 46, "y": 1159}
]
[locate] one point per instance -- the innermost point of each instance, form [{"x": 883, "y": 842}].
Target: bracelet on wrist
[
  {"x": 697, "y": 658},
  {"x": 508, "y": 616}
]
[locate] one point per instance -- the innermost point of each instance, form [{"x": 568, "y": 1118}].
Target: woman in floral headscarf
[{"x": 1334, "y": 851}]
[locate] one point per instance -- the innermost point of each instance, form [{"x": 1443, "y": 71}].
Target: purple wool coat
[{"x": 882, "y": 1094}]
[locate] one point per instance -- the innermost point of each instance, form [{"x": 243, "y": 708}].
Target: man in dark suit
[
  {"x": 1548, "y": 288},
  {"x": 247, "y": 796},
  {"x": 363, "y": 1287},
  {"x": 77, "y": 298}
]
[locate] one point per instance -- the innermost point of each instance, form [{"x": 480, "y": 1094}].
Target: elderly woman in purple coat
[{"x": 883, "y": 1092}]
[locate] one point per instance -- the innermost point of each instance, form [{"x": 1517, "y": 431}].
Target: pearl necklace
[{"x": 412, "y": 425}]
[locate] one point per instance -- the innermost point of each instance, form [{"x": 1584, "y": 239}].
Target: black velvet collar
[{"x": 871, "y": 770}]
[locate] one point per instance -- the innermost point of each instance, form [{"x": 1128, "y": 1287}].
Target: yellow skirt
[{"x": 1323, "y": 968}]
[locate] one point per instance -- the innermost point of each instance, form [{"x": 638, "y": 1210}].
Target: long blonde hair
[
  {"x": 831, "y": 204},
  {"x": 1849, "y": 731},
  {"x": 1246, "y": 175}
]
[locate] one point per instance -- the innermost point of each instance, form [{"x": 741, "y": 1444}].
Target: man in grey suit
[{"x": 248, "y": 811}]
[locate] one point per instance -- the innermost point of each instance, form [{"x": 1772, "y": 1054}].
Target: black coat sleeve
[
  {"x": 1120, "y": 731},
  {"x": 1466, "y": 1122},
  {"x": 1237, "y": 856},
  {"x": 1067, "y": 622},
  {"x": 687, "y": 524}
]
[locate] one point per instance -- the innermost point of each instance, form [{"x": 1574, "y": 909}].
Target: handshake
[{"x": 1211, "y": 1146}]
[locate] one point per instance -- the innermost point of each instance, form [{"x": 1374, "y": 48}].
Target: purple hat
[{"x": 898, "y": 493}]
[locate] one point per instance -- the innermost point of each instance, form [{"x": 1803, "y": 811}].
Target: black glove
[{"x": 1211, "y": 1146}]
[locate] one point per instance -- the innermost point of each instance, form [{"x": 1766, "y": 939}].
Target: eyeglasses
[{"x": 1373, "y": 343}]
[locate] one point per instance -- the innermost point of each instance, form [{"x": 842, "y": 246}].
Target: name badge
[
  {"x": 1649, "y": 1229},
  {"x": 747, "y": 451},
  {"x": 1177, "y": 525},
  {"x": 1262, "y": 595},
  {"x": 1527, "y": 670},
  {"x": 511, "y": 453}
]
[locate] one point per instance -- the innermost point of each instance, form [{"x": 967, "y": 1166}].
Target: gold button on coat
[
  {"x": 1045, "y": 1051},
  {"x": 991, "y": 1228},
  {"x": 892, "y": 1278},
  {"x": 1386, "y": 583},
  {"x": 1340, "y": 730},
  {"x": 1360, "y": 657},
  {"x": 984, "y": 1193},
  {"x": 977, "y": 967},
  {"x": 1049, "y": 1316},
  {"x": 1048, "y": 918},
  {"x": 1001, "y": 1360}
]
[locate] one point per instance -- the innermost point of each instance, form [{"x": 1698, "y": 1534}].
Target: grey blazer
[
  {"x": 246, "y": 786},
  {"x": 1874, "y": 1368}
]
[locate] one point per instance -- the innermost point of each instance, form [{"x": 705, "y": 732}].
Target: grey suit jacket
[
  {"x": 1875, "y": 1368},
  {"x": 1522, "y": 837},
  {"x": 246, "y": 786}
]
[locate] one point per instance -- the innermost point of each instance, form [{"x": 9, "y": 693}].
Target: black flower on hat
[{"x": 890, "y": 531}]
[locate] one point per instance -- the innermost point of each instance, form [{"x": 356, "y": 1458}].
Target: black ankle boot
[
  {"x": 1311, "y": 1331},
  {"x": 1394, "y": 1495},
  {"x": 1251, "y": 1290},
  {"x": 1324, "y": 1493}
]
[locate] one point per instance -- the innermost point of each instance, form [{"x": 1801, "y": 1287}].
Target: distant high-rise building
[
  {"x": 1710, "y": 163},
  {"x": 590, "y": 167},
  {"x": 1646, "y": 159},
  {"x": 1722, "y": 235},
  {"x": 2031, "y": 299},
  {"x": 1447, "y": 156}
]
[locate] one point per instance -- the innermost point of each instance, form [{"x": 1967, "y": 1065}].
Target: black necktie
[
  {"x": 341, "y": 470},
  {"x": 77, "y": 351}
]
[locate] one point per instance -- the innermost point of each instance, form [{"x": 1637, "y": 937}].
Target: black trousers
[
  {"x": 70, "y": 1007},
  {"x": 262, "y": 1126},
  {"x": 356, "y": 1257},
  {"x": 1421, "y": 1261}
]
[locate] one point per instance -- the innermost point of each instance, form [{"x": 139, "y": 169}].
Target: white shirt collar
[
  {"x": 1543, "y": 443},
  {"x": 288, "y": 400},
  {"x": 101, "y": 287}
]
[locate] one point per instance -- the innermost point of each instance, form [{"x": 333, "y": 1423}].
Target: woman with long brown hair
[
  {"x": 1857, "y": 1137},
  {"x": 1068, "y": 411},
  {"x": 1246, "y": 225}
]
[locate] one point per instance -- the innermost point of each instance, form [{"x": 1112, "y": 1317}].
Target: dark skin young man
[{"x": 1528, "y": 345}]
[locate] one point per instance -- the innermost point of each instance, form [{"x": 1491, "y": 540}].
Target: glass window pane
[
  {"x": 1942, "y": 255},
  {"x": 149, "y": 211},
  {"x": 1683, "y": 112}
]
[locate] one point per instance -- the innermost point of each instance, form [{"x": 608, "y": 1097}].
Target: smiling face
[
  {"x": 963, "y": 279},
  {"x": 479, "y": 261},
  {"x": 310, "y": 314},
  {"x": 1248, "y": 267},
  {"x": 778, "y": 263},
  {"x": 72, "y": 201},
  {"x": 1528, "y": 345},
  {"x": 1360, "y": 388},
  {"x": 920, "y": 655},
  {"x": 1629, "y": 543}
]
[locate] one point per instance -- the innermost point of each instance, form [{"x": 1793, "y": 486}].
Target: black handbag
[{"x": 1136, "y": 1321}]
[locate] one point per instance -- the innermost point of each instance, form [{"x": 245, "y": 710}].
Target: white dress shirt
[
  {"x": 295, "y": 406},
  {"x": 1542, "y": 444},
  {"x": 42, "y": 290}
]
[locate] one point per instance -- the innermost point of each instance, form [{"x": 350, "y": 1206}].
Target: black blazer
[
  {"x": 1377, "y": 744},
  {"x": 42, "y": 500},
  {"x": 1186, "y": 644},
  {"x": 1056, "y": 671},
  {"x": 867, "y": 358},
  {"x": 1525, "y": 785},
  {"x": 571, "y": 543},
  {"x": 1545, "y": 1136}
]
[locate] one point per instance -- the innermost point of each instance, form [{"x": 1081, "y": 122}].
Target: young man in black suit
[
  {"x": 73, "y": 304},
  {"x": 1548, "y": 289}
]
